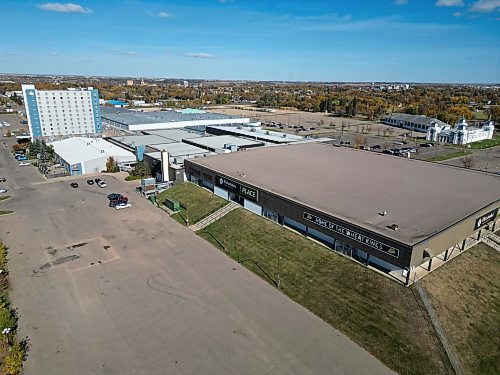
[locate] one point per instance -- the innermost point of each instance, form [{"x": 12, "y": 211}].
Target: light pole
[{"x": 279, "y": 278}]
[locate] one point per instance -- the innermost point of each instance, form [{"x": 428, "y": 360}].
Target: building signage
[
  {"x": 486, "y": 218},
  {"x": 237, "y": 188},
  {"x": 377, "y": 245},
  {"x": 75, "y": 167}
]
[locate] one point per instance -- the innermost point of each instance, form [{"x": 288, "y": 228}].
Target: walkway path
[{"x": 215, "y": 216}]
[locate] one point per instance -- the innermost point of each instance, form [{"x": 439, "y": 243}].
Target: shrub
[
  {"x": 3, "y": 257},
  {"x": 7, "y": 317},
  {"x": 13, "y": 363}
]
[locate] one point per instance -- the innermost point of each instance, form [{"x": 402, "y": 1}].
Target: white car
[
  {"x": 102, "y": 184},
  {"x": 3, "y": 190},
  {"x": 123, "y": 205},
  {"x": 24, "y": 164}
]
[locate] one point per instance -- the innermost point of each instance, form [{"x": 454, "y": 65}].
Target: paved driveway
[{"x": 101, "y": 291}]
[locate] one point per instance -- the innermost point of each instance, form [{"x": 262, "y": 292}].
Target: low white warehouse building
[{"x": 88, "y": 155}]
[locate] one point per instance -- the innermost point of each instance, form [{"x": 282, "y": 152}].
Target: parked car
[
  {"x": 2, "y": 179},
  {"x": 97, "y": 180},
  {"x": 24, "y": 164},
  {"x": 116, "y": 202},
  {"x": 399, "y": 143},
  {"x": 90, "y": 182},
  {"x": 74, "y": 185},
  {"x": 101, "y": 184},
  {"x": 114, "y": 196},
  {"x": 426, "y": 144},
  {"x": 388, "y": 152},
  {"x": 122, "y": 206},
  {"x": 376, "y": 147},
  {"x": 22, "y": 158},
  {"x": 3, "y": 190}
]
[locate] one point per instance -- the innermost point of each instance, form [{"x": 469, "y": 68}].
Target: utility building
[{"x": 81, "y": 156}]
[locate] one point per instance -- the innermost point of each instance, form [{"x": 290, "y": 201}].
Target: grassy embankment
[
  {"x": 196, "y": 202},
  {"x": 451, "y": 155},
  {"x": 465, "y": 294},
  {"x": 382, "y": 316},
  {"x": 12, "y": 351}
]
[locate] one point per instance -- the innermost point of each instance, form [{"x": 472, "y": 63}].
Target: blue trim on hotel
[
  {"x": 34, "y": 119},
  {"x": 97, "y": 111}
]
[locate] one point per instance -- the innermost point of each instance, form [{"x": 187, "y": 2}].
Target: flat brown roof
[{"x": 423, "y": 198}]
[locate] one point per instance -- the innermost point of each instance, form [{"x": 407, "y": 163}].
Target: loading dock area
[{"x": 391, "y": 213}]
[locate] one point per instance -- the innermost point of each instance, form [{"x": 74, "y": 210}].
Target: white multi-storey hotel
[{"x": 62, "y": 113}]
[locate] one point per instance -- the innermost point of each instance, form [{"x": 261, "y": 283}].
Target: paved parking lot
[{"x": 101, "y": 291}]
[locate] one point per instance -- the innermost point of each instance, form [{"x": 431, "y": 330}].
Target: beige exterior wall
[{"x": 450, "y": 237}]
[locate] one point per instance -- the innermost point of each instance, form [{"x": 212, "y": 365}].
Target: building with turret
[{"x": 461, "y": 134}]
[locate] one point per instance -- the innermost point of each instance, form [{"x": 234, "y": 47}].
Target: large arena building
[
  {"x": 133, "y": 120},
  {"x": 389, "y": 212}
]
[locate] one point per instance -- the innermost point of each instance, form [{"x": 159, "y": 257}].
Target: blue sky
[{"x": 324, "y": 40}]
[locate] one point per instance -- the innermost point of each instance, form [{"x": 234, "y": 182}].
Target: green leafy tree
[
  {"x": 141, "y": 169},
  {"x": 7, "y": 318},
  {"x": 222, "y": 99},
  {"x": 35, "y": 147},
  {"x": 352, "y": 108},
  {"x": 111, "y": 165}
]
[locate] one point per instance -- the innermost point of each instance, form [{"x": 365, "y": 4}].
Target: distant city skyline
[{"x": 442, "y": 41}]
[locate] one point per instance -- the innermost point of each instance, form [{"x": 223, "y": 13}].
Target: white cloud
[
  {"x": 57, "y": 55},
  {"x": 64, "y": 8},
  {"x": 450, "y": 3},
  {"x": 401, "y": 2},
  {"x": 484, "y": 6},
  {"x": 164, "y": 15},
  {"x": 199, "y": 55},
  {"x": 346, "y": 24},
  {"x": 124, "y": 53},
  {"x": 458, "y": 14},
  {"x": 225, "y": 1}
]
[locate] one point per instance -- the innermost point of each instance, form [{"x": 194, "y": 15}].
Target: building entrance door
[{"x": 236, "y": 198}]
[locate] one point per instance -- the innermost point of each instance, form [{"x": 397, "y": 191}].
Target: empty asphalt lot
[{"x": 101, "y": 291}]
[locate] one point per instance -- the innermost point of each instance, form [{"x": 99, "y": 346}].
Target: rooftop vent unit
[{"x": 394, "y": 227}]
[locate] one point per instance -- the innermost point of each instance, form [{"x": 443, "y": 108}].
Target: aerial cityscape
[{"x": 250, "y": 187}]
